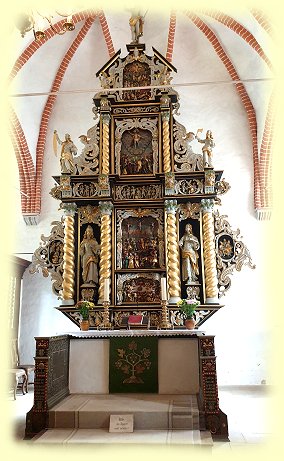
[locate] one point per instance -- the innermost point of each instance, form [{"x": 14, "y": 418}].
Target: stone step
[
  {"x": 194, "y": 438},
  {"x": 150, "y": 411}
]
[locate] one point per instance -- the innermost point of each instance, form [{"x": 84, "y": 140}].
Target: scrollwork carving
[
  {"x": 189, "y": 186},
  {"x": 49, "y": 256},
  {"x": 133, "y": 110},
  {"x": 87, "y": 162},
  {"x": 230, "y": 253},
  {"x": 185, "y": 159},
  {"x": 89, "y": 214},
  {"x": 189, "y": 210},
  {"x": 222, "y": 187}
]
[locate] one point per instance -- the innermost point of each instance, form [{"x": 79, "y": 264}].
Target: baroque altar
[{"x": 138, "y": 206}]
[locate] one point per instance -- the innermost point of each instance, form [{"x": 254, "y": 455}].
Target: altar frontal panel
[
  {"x": 133, "y": 365},
  {"x": 88, "y": 366},
  {"x": 178, "y": 366}
]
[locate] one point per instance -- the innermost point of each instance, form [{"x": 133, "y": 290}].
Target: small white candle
[
  {"x": 106, "y": 290},
  {"x": 164, "y": 296}
]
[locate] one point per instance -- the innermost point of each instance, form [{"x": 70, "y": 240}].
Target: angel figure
[
  {"x": 68, "y": 149},
  {"x": 207, "y": 148}
]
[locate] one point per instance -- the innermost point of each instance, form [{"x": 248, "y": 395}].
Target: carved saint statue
[
  {"x": 136, "y": 25},
  {"x": 189, "y": 245},
  {"x": 68, "y": 149},
  {"x": 89, "y": 252},
  {"x": 207, "y": 148}
]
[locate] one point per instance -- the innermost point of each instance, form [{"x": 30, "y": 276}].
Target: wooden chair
[{"x": 20, "y": 366}]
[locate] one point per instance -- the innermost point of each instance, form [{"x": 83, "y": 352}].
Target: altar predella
[{"x": 139, "y": 231}]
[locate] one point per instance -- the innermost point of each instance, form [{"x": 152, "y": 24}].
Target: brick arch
[
  {"x": 265, "y": 149},
  {"x": 262, "y": 20},
  {"x": 49, "y": 106},
  {"x": 22, "y": 178},
  {"x": 34, "y": 46},
  {"x": 25, "y": 162},
  {"x": 239, "y": 30},
  {"x": 171, "y": 36},
  {"x": 266, "y": 156},
  {"x": 242, "y": 93},
  {"x": 90, "y": 14},
  {"x": 106, "y": 33}
]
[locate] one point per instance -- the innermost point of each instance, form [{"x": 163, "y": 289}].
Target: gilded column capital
[
  {"x": 165, "y": 101},
  {"x": 104, "y": 104},
  {"x": 69, "y": 208},
  {"x": 165, "y": 115},
  {"x": 171, "y": 206},
  {"x": 207, "y": 205},
  {"x": 105, "y": 118},
  {"x": 106, "y": 208}
]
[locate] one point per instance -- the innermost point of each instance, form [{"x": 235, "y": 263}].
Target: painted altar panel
[
  {"x": 140, "y": 255},
  {"x": 136, "y": 146}
]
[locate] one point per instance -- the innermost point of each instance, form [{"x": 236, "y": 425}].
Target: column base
[
  {"x": 214, "y": 300},
  {"x": 67, "y": 302},
  {"x": 174, "y": 299}
]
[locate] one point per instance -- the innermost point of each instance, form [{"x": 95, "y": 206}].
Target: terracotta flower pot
[
  {"x": 84, "y": 325},
  {"x": 189, "y": 324}
]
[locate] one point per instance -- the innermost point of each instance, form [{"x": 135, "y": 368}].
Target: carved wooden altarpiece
[{"x": 139, "y": 208}]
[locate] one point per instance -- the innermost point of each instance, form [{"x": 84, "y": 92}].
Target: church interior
[{"x": 140, "y": 163}]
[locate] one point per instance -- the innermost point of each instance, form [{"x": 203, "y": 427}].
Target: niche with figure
[{"x": 88, "y": 262}]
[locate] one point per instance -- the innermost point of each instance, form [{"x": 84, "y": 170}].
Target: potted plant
[
  {"x": 187, "y": 307},
  {"x": 84, "y": 311}
]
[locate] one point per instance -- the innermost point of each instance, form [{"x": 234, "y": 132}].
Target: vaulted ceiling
[{"x": 224, "y": 79}]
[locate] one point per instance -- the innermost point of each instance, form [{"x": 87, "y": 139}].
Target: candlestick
[
  {"x": 106, "y": 323},
  {"x": 164, "y": 296},
  {"x": 106, "y": 290},
  {"x": 165, "y": 316}
]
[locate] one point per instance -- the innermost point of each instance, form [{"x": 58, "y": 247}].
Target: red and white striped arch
[{"x": 31, "y": 175}]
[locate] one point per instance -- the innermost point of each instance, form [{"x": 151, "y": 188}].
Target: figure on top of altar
[
  {"x": 207, "y": 148},
  {"x": 136, "y": 23},
  {"x": 189, "y": 245},
  {"x": 68, "y": 150},
  {"x": 89, "y": 252}
]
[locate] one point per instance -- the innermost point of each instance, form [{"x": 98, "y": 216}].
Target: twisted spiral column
[
  {"x": 105, "y": 156},
  {"x": 173, "y": 269},
  {"x": 105, "y": 257},
  {"x": 209, "y": 254},
  {"x": 166, "y": 141},
  {"x": 69, "y": 254}
]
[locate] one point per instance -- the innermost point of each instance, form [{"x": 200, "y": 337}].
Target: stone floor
[{"x": 245, "y": 406}]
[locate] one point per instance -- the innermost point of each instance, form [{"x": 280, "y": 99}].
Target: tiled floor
[{"x": 245, "y": 406}]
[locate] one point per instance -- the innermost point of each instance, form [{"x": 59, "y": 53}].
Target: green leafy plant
[
  {"x": 84, "y": 308},
  {"x": 187, "y": 307}
]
